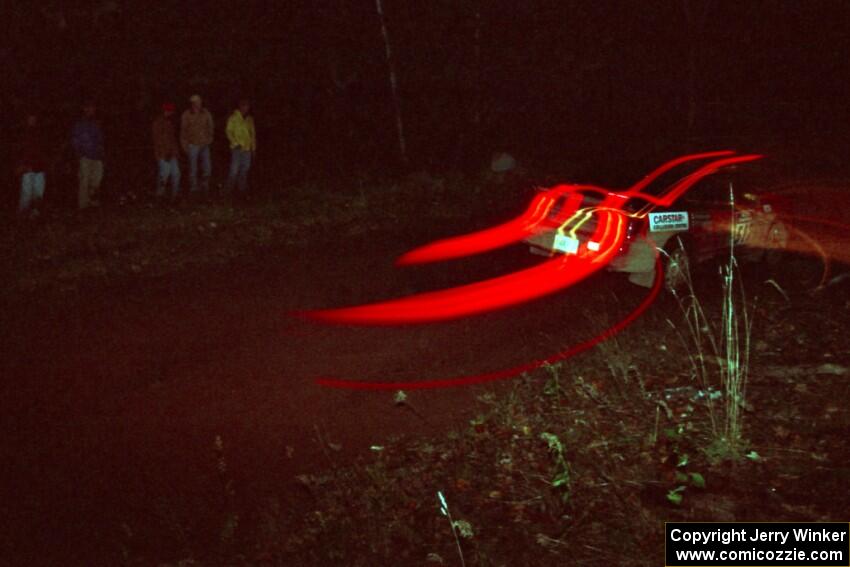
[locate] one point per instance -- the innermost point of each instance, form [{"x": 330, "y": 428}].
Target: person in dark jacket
[
  {"x": 166, "y": 151},
  {"x": 31, "y": 165},
  {"x": 87, "y": 141}
]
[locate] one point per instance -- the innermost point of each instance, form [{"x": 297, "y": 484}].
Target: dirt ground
[{"x": 114, "y": 396}]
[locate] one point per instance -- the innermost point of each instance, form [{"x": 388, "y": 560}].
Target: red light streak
[
  {"x": 485, "y": 240},
  {"x": 532, "y": 283},
  {"x": 529, "y": 222},
  {"x": 552, "y": 275},
  {"x": 691, "y": 179},
  {"x": 469, "y": 380},
  {"x": 643, "y": 183},
  {"x": 495, "y": 293}
]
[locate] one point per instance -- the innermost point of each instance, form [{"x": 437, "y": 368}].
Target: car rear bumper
[
  {"x": 542, "y": 243},
  {"x": 639, "y": 257}
]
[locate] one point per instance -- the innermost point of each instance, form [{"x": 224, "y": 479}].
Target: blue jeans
[
  {"x": 196, "y": 153},
  {"x": 168, "y": 168},
  {"x": 240, "y": 163},
  {"x": 32, "y": 188}
]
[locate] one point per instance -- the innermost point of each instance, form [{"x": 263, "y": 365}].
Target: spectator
[
  {"x": 243, "y": 143},
  {"x": 166, "y": 151},
  {"x": 87, "y": 141},
  {"x": 196, "y": 135},
  {"x": 31, "y": 166}
]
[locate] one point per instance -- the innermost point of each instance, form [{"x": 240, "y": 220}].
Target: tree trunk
[
  {"x": 692, "y": 89},
  {"x": 695, "y": 21},
  {"x": 402, "y": 146},
  {"x": 476, "y": 113}
]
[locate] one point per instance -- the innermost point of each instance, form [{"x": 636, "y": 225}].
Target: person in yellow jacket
[{"x": 243, "y": 143}]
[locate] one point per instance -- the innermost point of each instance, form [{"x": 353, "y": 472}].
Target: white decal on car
[{"x": 670, "y": 220}]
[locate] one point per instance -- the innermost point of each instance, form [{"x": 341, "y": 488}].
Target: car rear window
[
  {"x": 589, "y": 200},
  {"x": 668, "y": 179},
  {"x": 713, "y": 189}
]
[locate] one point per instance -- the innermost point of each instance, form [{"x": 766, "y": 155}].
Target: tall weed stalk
[
  {"x": 737, "y": 330},
  {"x": 728, "y": 347}
]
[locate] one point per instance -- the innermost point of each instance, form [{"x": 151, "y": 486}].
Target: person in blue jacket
[{"x": 87, "y": 141}]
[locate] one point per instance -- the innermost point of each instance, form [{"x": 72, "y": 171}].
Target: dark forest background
[{"x": 549, "y": 80}]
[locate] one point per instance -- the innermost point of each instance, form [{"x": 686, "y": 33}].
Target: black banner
[{"x": 757, "y": 544}]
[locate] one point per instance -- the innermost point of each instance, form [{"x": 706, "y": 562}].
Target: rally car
[{"x": 684, "y": 216}]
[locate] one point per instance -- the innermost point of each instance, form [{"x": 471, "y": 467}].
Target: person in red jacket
[{"x": 32, "y": 163}]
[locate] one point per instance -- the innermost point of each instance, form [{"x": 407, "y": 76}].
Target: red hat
[{"x": 168, "y": 107}]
